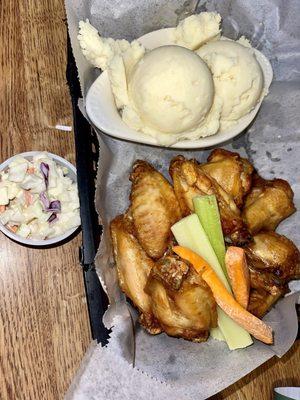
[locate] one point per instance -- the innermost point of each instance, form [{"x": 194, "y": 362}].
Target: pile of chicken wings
[{"x": 170, "y": 296}]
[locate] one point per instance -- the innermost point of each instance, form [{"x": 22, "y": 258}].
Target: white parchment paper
[{"x": 166, "y": 366}]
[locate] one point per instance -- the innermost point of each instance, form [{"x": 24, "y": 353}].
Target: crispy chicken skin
[
  {"x": 170, "y": 296},
  {"x": 271, "y": 252},
  {"x": 265, "y": 280},
  {"x": 170, "y": 271},
  {"x": 232, "y": 172},
  {"x": 268, "y": 203},
  {"x": 133, "y": 267},
  {"x": 181, "y": 301},
  {"x": 273, "y": 261},
  {"x": 190, "y": 180},
  {"x": 261, "y": 301},
  {"x": 133, "y": 264},
  {"x": 154, "y": 208}
]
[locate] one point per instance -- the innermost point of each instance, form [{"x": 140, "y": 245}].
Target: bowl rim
[{"x": 38, "y": 242}]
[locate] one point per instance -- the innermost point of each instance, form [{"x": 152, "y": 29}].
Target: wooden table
[{"x": 44, "y": 327}]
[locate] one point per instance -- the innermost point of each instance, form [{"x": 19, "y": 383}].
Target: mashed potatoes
[
  {"x": 172, "y": 89},
  {"x": 238, "y": 77},
  {"x": 194, "y": 88},
  {"x": 198, "y": 29}
]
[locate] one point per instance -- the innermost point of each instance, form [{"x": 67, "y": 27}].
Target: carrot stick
[
  {"x": 13, "y": 228},
  {"x": 253, "y": 325},
  {"x": 224, "y": 299},
  {"x": 238, "y": 272},
  {"x": 197, "y": 261}
]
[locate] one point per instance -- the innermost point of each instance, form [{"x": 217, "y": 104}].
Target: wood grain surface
[{"x": 44, "y": 328}]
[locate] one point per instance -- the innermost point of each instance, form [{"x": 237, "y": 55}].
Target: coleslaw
[{"x": 38, "y": 200}]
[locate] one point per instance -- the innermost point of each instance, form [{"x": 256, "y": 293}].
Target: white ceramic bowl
[
  {"x": 102, "y": 111},
  {"x": 72, "y": 175}
]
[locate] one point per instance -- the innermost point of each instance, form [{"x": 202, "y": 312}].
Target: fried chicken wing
[
  {"x": 191, "y": 180},
  {"x": 271, "y": 252},
  {"x": 170, "y": 271},
  {"x": 273, "y": 261},
  {"x": 265, "y": 280},
  {"x": 154, "y": 208},
  {"x": 133, "y": 266},
  {"x": 232, "y": 172},
  {"x": 268, "y": 203},
  {"x": 261, "y": 301},
  {"x": 181, "y": 301},
  {"x": 170, "y": 296}
]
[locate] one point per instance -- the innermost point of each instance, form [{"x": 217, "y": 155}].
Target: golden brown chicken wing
[
  {"x": 265, "y": 280},
  {"x": 154, "y": 208},
  {"x": 133, "y": 266},
  {"x": 261, "y": 301},
  {"x": 169, "y": 294},
  {"x": 232, "y": 172},
  {"x": 181, "y": 301},
  {"x": 273, "y": 261},
  {"x": 191, "y": 180},
  {"x": 271, "y": 252},
  {"x": 268, "y": 203}
]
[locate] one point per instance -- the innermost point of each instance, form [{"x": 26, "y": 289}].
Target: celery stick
[
  {"x": 189, "y": 233},
  {"x": 217, "y": 334},
  {"x": 207, "y": 210},
  {"x": 235, "y": 336}
]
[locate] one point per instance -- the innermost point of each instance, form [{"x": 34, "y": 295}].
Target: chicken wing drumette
[
  {"x": 267, "y": 204},
  {"x": 232, "y": 172},
  {"x": 273, "y": 261}
]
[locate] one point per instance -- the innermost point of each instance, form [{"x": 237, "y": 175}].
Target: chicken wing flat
[
  {"x": 191, "y": 180},
  {"x": 273, "y": 261},
  {"x": 154, "y": 208},
  {"x": 268, "y": 203},
  {"x": 232, "y": 172},
  {"x": 181, "y": 301},
  {"x": 133, "y": 266}
]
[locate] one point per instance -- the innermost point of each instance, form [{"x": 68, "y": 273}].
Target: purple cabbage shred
[
  {"x": 44, "y": 199},
  {"x": 44, "y": 167},
  {"x": 53, "y": 217},
  {"x": 54, "y": 206}
]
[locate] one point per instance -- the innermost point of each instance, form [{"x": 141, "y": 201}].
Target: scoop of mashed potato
[
  {"x": 172, "y": 89},
  {"x": 195, "y": 30},
  {"x": 237, "y": 75},
  {"x": 194, "y": 88}
]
